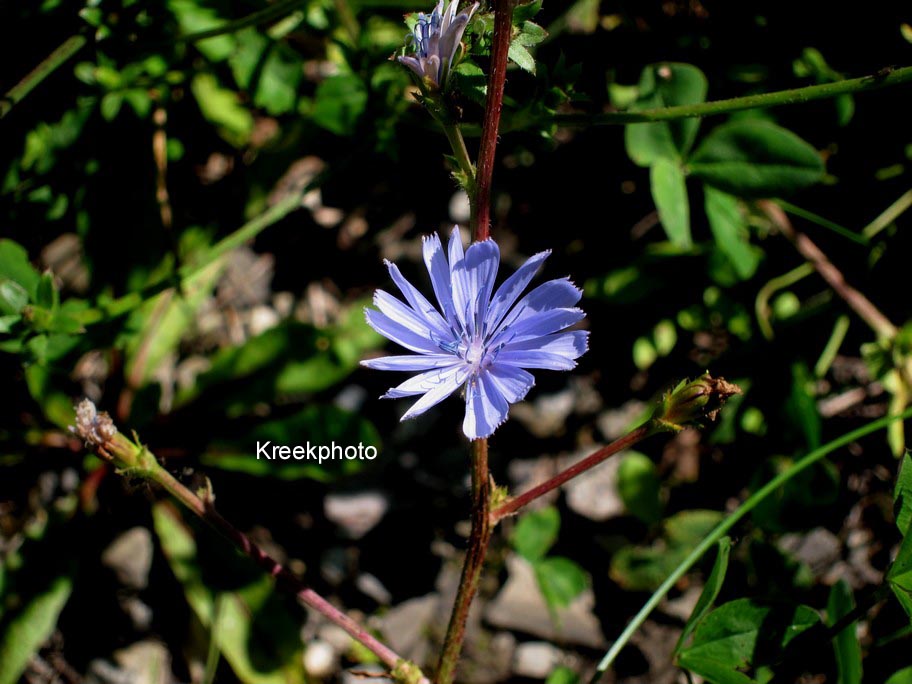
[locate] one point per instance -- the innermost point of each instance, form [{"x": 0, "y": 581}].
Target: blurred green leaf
[
  {"x": 560, "y": 579},
  {"x": 639, "y": 485},
  {"x": 846, "y": 645},
  {"x": 899, "y": 576},
  {"x": 251, "y": 628},
  {"x": 710, "y": 591},
  {"x": 665, "y": 85},
  {"x": 536, "y": 532},
  {"x": 25, "y": 632},
  {"x": 752, "y": 158},
  {"x": 639, "y": 568},
  {"x": 194, "y": 17},
  {"x": 729, "y": 228},
  {"x": 221, "y": 107},
  {"x": 903, "y": 676},
  {"x": 13, "y": 297},
  {"x": 669, "y": 192},
  {"x": 340, "y": 102},
  {"x": 729, "y": 639},
  {"x": 15, "y": 266},
  {"x": 902, "y": 495},
  {"x": 562, "y": 675}
]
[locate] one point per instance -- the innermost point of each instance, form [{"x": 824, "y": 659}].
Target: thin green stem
[
  {"x": 48, "y": 65},
  {"x": 761, "y": 305},
  {"x": 882, "y": 79},
  {"x": 253, "y": 19},
  {"x": 479, "y": 539},
  {"x": 348, "y": 20},
  {"x": 722, "y": 529},
  {"x": 889, "y": 215},
  {"x": 837, "y": 337},
  {"x": 822, "y": 222},
  {"x": 248, "y": 231}
]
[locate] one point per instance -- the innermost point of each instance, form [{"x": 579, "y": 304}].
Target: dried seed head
[{"x": 94, "y": 428}]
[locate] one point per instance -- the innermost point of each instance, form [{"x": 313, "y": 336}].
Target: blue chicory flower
[
  {"x": 436, "y": 38},
  {"x": 477, "y": 338}
]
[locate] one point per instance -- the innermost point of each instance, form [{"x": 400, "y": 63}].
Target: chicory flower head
[
  {"x": 477, "y": 338},
  {"x": 436, "y": 38}
]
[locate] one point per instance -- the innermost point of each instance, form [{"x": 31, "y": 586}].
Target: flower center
[{"x": 475, "y": 354}]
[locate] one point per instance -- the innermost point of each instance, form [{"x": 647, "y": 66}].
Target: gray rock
[
  {"x": 818, "y": 549},
  {"x": 520, "y": 607},
  {"x": 594, "y": 494},
  {"x": 406, "y": 626},
  {"x": 320, "y": 659},
  {"x": 130, "y": 557},
  {"x": 145, "y": 662},
  {"x": 535, "y": 659},
  {"x": 357, "y": 513}
]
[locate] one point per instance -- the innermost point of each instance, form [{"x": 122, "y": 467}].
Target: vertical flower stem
[
  {"x": 471, "y": 570},
  {"x": 503, "y": 30},
  {"x": 479, "y": 199}
]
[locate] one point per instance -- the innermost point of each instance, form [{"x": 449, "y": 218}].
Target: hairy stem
[
  {"x": 503, "y": 30},
  {"x": 98, "y": 431},
  {"x": 515, "y": 503},
  {"x": 860, "y": 304},
  {"x": 882, "y": 79},
  {"x": 48, "y": 65},
  {"x": 471, "y": 570}
]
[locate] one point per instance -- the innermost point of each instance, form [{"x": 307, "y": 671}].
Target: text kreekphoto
[{"x": 315, "y": 452}]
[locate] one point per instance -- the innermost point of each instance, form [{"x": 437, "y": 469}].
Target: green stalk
[
  {"x": 882, "y": 79},
  {"x": 722, "y": 529},
  {"x": 48, "y": 65}
]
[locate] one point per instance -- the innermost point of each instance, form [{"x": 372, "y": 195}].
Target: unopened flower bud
[
  {"x": 96, "y": 428},
  {"x": 690, "y": 403}
]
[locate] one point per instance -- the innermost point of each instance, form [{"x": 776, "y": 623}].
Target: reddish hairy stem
[
  {"x": 474, "y": 562},
  {"x": 284, "y": 578},
  {"x": 503, "y": 31},
  {"x": 514, "y": 504}
]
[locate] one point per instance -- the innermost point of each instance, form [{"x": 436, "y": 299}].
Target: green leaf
[
  {"x": 26, "y": 631},
  {"x": 520, "y": 56},
  {"x": 900, "y": 575},
  {"x": 669, "y": 192},
  {"x": 561, "y": 580},
  {"x": 710, "y": 591},
  {"x": 902, "y": 495},
  {"x": 562, "y": 675},
  {"x": 536, "y": 532},
  {"x": 525, "y": 11},
  {"x": 220, "y": 106},
  {"x": 729, "y": 228},
  {"x": 903, "y": 676},
  {"x": 640, "y": 568},
  {"x": 46, "y": 294},
  {"x": 194, "y": 17},
  {"x": 638, "y": 485},
  {"x": 845, "y": 644},
  {"x": 15, "y": 266},
  {"x": 340, "y": 101},
  {"x": 753, "y": 158},
  {"x": 726, "y": 642},
  {"x": 665, "y": 85},
  {"x": 250, "y": 626},
  {"x": 13, "y": 297},
  {"x": 530, "y": 34}
]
